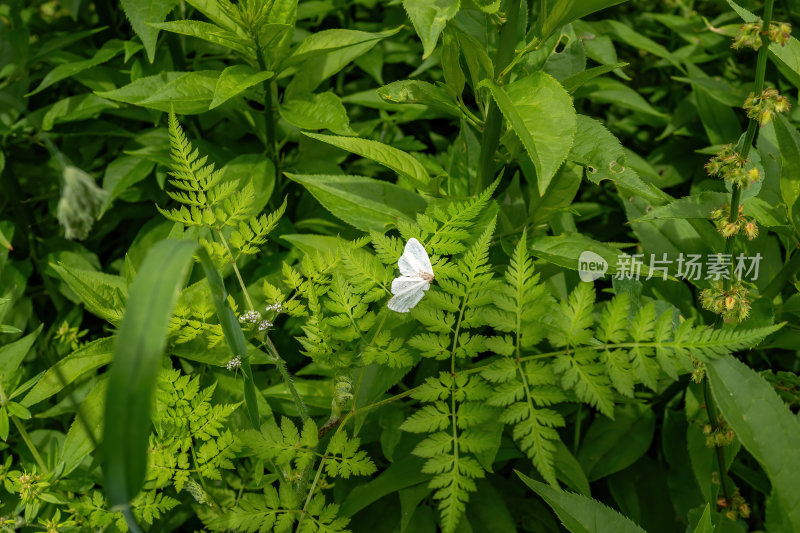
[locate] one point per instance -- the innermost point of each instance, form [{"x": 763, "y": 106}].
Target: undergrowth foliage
[{"x": 338, "y": 251}]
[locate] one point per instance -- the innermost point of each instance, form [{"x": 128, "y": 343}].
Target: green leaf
[
  {"x": 388, "y": 156},
  {"x": 429, "y": 20},
  {"x": 420, "y": 92},
  {"x": 12, "y": 354},
  {"x": 66, "y": 370},
  {"x": 3, "y": 424},
  {"x": 580, "y": 514},
  {"x": 602, "y": 154},
  {"x": 103, "y": 294},
  {"x": 364, "y": 203},
  {"x": 541, "y": 113},
  {"x": 561, "y": 12},
  {"x": 141, "y": 13},
  {"x": 574, "y": 82},
  {"x": 211, "y": 33},
  {"x": 235, "y": 79},
  {"x": 704, "y": 525},
  {"x": 324, "y": 53},
  {"x": 139, "y": 350},
  {"x": 320, "y": 111},
  {"x": 79, "y": 442},
  {"x": 613, "y": 445},
  {"x": 188, "y": 93},
  {"x": 109, "y": 50},
  {"x": 764, "y": 425},
  {"x": 789, "y": 144}
]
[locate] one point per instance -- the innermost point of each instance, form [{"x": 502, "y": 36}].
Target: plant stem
[
  {"x": 269, "y": 118},
  {"x": 494, "y": 118},
  {"x": 279, "y": 362},
  {"x": 752, "y": 126},
  {"x": 712, "y": 418}
]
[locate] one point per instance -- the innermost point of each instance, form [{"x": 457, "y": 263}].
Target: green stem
[
  {"x": 752, "y": 126},
  {"x": 721, "y": 463},
  {"x": 494, "y": 118},
  {"x": 269, "y": 117}
]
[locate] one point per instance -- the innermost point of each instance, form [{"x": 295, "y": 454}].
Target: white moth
[{"x": 416, "y": 277}]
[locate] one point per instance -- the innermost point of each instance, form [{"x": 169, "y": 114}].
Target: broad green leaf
[
  {"x": 132, "y": 377},
  {"x": 388, "y": 156},
  {"x": 12, "y": 354},
  {"x": 109, "y": 50},
  {"x": 580, "y": 514},
  {"x": 565, "y": 250},
  {"x": 789, "y": 144},
  {"x": 317, "y": 112},
  {"x": 187, "y": 93},
  {"x": 365, "y": 203},
  {"x": 255, "y": 168},
  {"x": 402, "y": 473},
  {"x": 697, "y": 206},
  {"x": 323, "y": 54},
  {"x": 121, "y": 174},
  {"x": 73, "y": 108},
  {"x": 3, "y": 424},
  {"x": 429, "y": 19},
  {"x": 575, "y": 81},
  {"x": 628, "y": 35},
  {"x": 103, "y": 294},
  {"x": 541, "y": 113},
  {"x": 65, "y": 371},
  {"x": 212, "y": 10},
  {"x": 764, "y": 425},
  {"x": 608, "y": 91},
  {"x": 141, "y": 13},
  {"x": 79, "y": 442},
  {"x": 613, "y": 445},
  {"x": 211, "y": 33},
  {"x": 557, "y": 13},
  {"x": 420, "y": 92},
  {"x": 235, "y": 79},
  {"x": 704, "y": 525},
  {"x": 327, "y": 41},
  {"x": 602, "y": 154}
]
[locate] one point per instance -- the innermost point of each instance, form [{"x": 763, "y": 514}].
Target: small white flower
[
  {"x": 277, "y": 307},
  {"x": 250, "y": 316},
  {"x": 234, "y": 363},
  {"x": 264, "y": 325},
  {"x": 416, "y": 277}
]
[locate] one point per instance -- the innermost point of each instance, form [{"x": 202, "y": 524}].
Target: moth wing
[
  {"x": 414, "y": 259},
  {"x": 408, "y": 291}
]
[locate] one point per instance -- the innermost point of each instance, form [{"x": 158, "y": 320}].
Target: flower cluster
[
  {"x": 750, "y": 35},
  {"x": 732, "y": 304},
  {"x": 234, "y": 363},
  {"x": 277, "y": 307},
  {"x": 250, "y": 317},
  {"x": 765, "y": 106},
  {"x": 721, "y": 217},
  {"x": 722, "y": 435},
  {"x": 736, "y": 507},
  {"x": 729, "y": 165}
]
